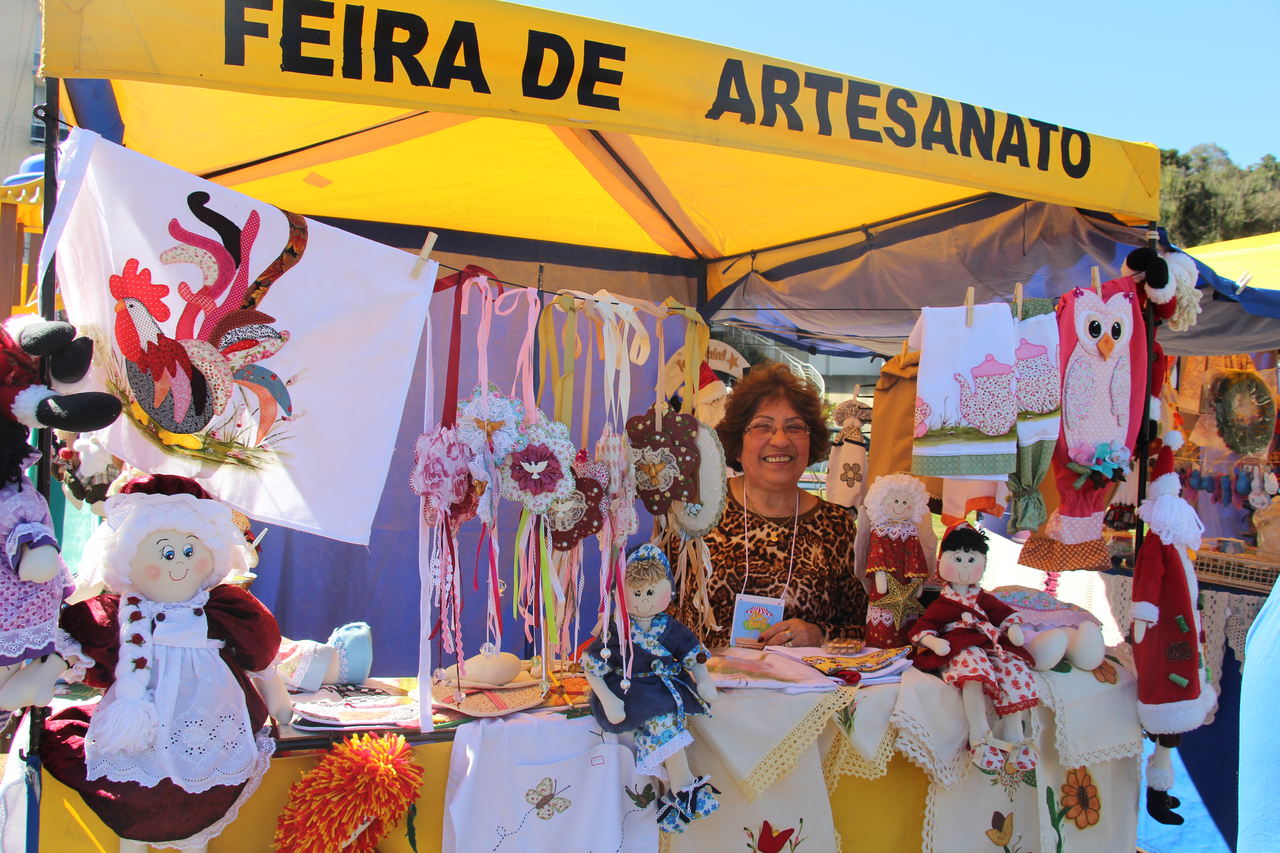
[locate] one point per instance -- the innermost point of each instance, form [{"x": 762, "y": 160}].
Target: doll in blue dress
[{"x": 668, "y": 683}]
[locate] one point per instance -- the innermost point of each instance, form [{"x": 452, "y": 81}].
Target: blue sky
[{"x": 1206, "y": 71}]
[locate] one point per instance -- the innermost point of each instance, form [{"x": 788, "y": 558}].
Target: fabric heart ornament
[
  {"x": 664, "y": 458},
  {"x": 581, "y": 513}
]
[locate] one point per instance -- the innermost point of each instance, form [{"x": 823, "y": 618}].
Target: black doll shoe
[{"x": 1161, "y": 805}]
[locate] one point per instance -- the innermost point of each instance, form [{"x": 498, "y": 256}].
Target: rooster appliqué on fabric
[{"x": 182, "y": 385}]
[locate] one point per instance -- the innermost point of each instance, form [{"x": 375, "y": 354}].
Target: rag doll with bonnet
[
  {"x": 653, "y": 689},
  {"x": 975, "y": 641},
  {"x": 179, "y": 740}
]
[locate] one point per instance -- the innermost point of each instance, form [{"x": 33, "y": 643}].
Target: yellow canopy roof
[
  {"x": 495, "y": 118},
  {"x": 1258, "y": 256}
]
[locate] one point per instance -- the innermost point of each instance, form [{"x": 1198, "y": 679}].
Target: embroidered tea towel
[
  {"x": 966, "y": 400},
  {"x": 545, "y": 784},
  {"x": 261, "y": 352},
  {"x": 1038, "y": 379}
]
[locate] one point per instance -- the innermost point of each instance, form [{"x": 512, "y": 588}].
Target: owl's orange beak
[{"x": 1106, "y": 344}]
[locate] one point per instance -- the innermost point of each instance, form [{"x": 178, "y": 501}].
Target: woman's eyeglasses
[{"x": 765, "y": 431}]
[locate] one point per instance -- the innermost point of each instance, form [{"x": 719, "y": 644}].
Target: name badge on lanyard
[{"x": 753, "y": 615}]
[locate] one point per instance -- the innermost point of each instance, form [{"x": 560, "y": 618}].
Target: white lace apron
[{"x": 203, "y": 736}]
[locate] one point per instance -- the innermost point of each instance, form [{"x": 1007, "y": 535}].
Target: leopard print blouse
[{"x": 823, "y": 587}]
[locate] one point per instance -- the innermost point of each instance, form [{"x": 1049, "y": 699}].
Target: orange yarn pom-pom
[{"x": 357, "y": 792}]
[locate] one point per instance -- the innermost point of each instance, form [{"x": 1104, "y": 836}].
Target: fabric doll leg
[
  {"x": 1017, "y": 688},
  {"x": 972, "y": 665},
  {"x": 657, "y": 740}
]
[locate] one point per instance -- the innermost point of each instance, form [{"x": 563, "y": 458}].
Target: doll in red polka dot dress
[{"x": 974, "y": 641}]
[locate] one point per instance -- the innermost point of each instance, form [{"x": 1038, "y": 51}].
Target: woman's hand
[{"x": 792, "y": 632}]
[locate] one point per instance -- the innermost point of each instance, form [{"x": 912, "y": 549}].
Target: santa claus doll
[{"x": 1174, "y": 694}]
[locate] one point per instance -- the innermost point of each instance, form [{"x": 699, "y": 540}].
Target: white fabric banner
[{"x": 264, "y": 354}]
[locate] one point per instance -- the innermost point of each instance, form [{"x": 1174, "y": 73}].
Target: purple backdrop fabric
[{"x": 313, "y": 584}]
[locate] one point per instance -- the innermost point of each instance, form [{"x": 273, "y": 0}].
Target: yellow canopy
[
  {"x": 502, "y": 119},
  {"x": 1258, "y": 256}
]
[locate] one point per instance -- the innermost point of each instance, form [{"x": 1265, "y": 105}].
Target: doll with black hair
[{"x": 975, "y": 642}]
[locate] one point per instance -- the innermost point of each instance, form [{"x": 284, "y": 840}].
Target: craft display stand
[{"x": 864, "y": 775}]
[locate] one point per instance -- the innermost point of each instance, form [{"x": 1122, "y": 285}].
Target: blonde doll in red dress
[{"x": 896, "y": 566}]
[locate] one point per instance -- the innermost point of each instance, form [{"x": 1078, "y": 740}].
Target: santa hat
[
  {"x": 1170, "y": 517},
  {"x": 1164, "y": 480}
]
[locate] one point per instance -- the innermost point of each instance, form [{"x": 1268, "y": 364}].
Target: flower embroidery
[
  {"x": 1080, "y": 798},
  {"x": 1001, "y": 828},
  {"x": 769, "y": 841},
  {"x": 851, "y": 474}
]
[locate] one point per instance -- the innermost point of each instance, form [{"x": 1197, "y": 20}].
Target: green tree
[{"x": 1204, "y": 197}]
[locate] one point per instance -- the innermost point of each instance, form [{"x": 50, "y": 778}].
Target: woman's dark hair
[
  {"x": 964, "y": 539},
  {"x": 766, "y": 382},
  {"x": 13, "y": 450}
]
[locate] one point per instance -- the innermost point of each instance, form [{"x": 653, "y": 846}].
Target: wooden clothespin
[
  {"x": 1095, "y": 280},
  {"x": 968, "y": 306},
  {"x": 1017, "y": 300},
  {"x": 425, "y": 254}
]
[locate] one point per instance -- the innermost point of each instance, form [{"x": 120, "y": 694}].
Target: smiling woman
[{"x": 775, "y": 539}]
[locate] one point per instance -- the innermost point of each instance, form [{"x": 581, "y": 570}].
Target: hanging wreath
[
  {"x": 491, "y": 425},
  {"x": 1245, "y": 410},
  {"x": 539, "y": 472},
  {"x": 441, "y": 475}
]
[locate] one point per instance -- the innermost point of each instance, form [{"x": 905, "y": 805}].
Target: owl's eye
[
  {"x": 1116, "y": 330},
  {"x": 1095, "y": 329}
]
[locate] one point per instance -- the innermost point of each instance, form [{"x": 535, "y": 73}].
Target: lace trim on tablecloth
[
  {"x": 266, "y": 746},
  {"x": 915, "y": 743},
  {"x": 1069, "y": 753},
  {"x": 843, "y": 759},
  {"x": 781, "y": 760},
  {"x": 930, "y": 818}
]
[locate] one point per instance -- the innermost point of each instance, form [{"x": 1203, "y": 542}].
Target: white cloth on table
[{"x": 532, "y": 783}]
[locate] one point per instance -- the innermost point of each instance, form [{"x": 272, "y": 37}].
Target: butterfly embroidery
[
  {"x": 642, "y": 799},
  {"x": 546, "y": 800}
]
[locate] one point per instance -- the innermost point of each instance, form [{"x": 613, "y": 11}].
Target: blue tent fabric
[
  {"x": 864, "y": 295},
  {"x": 1259, "y": 745}
]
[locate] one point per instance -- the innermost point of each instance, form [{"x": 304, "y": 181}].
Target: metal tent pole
[
  {"x": 1144, "y": 434},
  {"x": 49, "y": 112}
]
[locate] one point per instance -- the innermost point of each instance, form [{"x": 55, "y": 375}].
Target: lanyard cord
[{"x": 746, "y": 544}]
